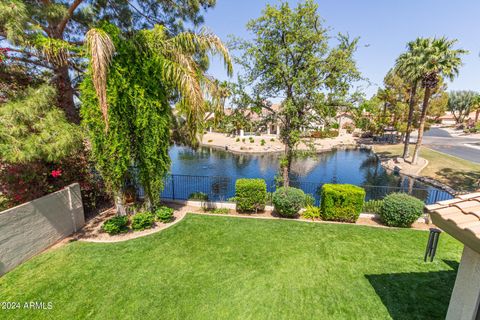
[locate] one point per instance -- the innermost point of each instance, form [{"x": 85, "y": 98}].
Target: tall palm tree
[
  {"x": 407, "y": 66},
  {"x": 436, "y": 59},
  {"x": 179, "y": 65}
]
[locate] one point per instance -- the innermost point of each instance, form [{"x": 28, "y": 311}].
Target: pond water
[{"x": 214, "y": 171}]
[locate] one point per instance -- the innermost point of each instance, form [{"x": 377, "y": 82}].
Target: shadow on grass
[
  {"x": 460, "y": 180},
  {"x": 416, "y": 295}
]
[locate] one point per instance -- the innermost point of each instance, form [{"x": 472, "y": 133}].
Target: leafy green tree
[
  {"x": 33, "y": 129},
  {"x": 289, "y": 58},
  {"x": 460, "y": 103},
  {"x": 41, "y": 151},
  {"x": 126, "y": 100},
  {"x": 48, "y": 35}
]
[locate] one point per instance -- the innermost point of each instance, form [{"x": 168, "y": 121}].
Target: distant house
[{"x": 447, "y": 119}]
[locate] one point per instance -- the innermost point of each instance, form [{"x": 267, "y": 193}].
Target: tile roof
[{"x": 460, "y": 217}]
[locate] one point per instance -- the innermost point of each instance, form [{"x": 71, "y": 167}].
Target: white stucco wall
[{"x": 30, "y": 228}]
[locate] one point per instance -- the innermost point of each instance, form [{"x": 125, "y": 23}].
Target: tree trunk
[
  {"x": 287, "y": 165},
  {"x": 64, "y": 88},
  {"x": 421, "y": 127},
  {"x": 120, "y": 204},
  {"x": 411, "y": 108}
]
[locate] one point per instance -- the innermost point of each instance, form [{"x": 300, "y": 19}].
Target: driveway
[{"x": 440, "y": 140}]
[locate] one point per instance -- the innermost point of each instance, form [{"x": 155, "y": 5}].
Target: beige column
[{"x": 466, "y": 292}]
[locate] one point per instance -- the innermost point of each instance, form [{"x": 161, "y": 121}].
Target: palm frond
[{"x": 101, "y": 49}]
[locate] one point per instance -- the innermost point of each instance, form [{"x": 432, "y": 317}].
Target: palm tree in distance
[
  {"x": 407, "y": 67},
  {"x": 437, "y": 59}
]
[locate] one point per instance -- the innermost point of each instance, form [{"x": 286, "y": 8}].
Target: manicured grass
[
  {"x": 460, "y": 174},
  {"x": 211, "y": 267}
]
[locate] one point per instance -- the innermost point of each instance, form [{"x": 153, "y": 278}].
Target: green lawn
[
  {"x": 208, "y": 267},
  {"x": 460, "y": 174}
]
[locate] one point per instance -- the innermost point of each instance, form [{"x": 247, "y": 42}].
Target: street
[{"x": 440, "y": 140}]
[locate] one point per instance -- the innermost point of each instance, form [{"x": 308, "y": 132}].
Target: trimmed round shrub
[
  {"x": 250, "y": 194},
  {"x": 341, "y": 202},
  {"x": 142, "y": 221},
  {"x": 400, "y": 210},
  {"x": 115, "y": 225},
  {"x": 164, "y": 214},
  {"x": 287, "y": 201}
]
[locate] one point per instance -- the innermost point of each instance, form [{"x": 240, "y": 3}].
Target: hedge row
[{"x": 339, "y": 202}]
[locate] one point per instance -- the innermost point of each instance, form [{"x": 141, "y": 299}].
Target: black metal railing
[{"x": 222, "y": 188}]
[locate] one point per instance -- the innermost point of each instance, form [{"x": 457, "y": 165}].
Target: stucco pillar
[
  {"x": 268, "y": 129},
  {"x": 466, "y": 292},
  {"x": 278, "y": 130},
  {"x": 241, "y": 132}
]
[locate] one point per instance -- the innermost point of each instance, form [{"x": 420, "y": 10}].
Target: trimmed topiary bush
[
  {"x": 115, "y": 225},
  {"x": 250, "y": 194},
  {"x": 142, "y": 221},
  {"x": 401, "y": 210},
  {"x": 164, "y": 214},
  {"x": 287, "y": 201},
  {"x": 342, "y": 202}
]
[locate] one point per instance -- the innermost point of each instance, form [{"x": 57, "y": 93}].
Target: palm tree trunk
[
  {"x": 411, "y": 108},
  {"x": 421, "y": 127}
]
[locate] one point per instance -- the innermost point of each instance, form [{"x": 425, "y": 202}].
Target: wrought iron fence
[{"x": 222, "y": 188}]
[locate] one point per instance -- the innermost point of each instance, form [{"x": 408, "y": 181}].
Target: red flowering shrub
[{"x": 20, "y": 183}]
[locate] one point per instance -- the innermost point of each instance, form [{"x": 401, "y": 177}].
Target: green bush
[
  {"x": 341, "y": 202},
  {"x": 311, "y": 212},
  {"x": 250, "y": 194},
  {"x": 115, "y": 225},
  {"x": 164, "y": 214},
  {"x": 262, "y": 142},
  {"x": 287, "y": 201},
  {"x": 400, "y": 210},
  {"x": 142, "y": 221},
  {"x": 220, "y": 211},
  {"x": 373, "y": 206},
  {"x": 309, "y": 200},
  {"x": 243, "y": 140},
  {"x": 272, "y": 139},
  {"x": 237, "y": 140},
  {"x": 200, "y": 196}
]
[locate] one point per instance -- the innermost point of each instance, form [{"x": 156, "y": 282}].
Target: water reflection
[{"x": 358, "y": 167}]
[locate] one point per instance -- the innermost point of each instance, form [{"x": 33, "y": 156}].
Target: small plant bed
[
  {"x": 108, "y": 227},
  {"x": 309, "y": 214}
]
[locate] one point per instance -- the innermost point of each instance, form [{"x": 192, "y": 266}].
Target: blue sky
[{"x": 384, "y": 25}]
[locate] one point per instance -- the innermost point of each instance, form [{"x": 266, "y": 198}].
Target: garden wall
[{"x": 30, "y": 228}]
